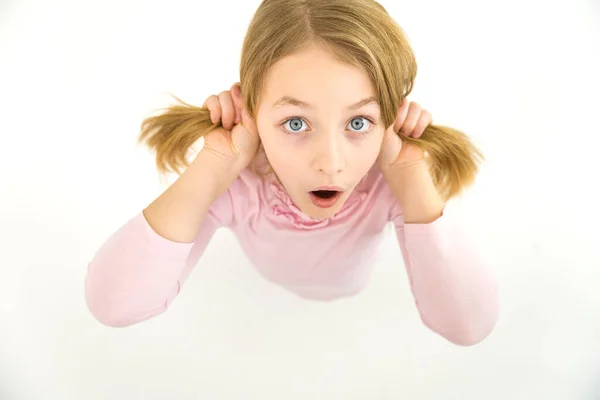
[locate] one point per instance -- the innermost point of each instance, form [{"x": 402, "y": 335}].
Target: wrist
[
  {"x": 415, "y": 192},
  {"x": 178, "y": 212},
  {"x": 210, "y": 174}
]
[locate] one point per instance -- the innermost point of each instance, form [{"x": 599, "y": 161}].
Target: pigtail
[
  {"x": 453, "y": 159},
  {"x": 172, "y": 134}
]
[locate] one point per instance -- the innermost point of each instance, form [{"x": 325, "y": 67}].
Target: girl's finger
[
  {"x": 212, "y": 103},
  {"x": 401, "y": 115},
  {"x": 414, "y": 111},
  {"x": 422, "y": 124},
  {"x": 227, "y": 110}
]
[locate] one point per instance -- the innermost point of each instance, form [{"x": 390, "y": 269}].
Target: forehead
[{"x": 314, "y": 76}]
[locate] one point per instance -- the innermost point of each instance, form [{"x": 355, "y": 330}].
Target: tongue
[{"x": 324, "y": 194}]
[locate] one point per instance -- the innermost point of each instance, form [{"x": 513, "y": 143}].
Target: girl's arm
[
  {"x": 140, "y": 269},
  {"x": 454, "y": 289}
]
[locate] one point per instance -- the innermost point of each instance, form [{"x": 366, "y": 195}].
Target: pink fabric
[{"x": 136, "y": 273}]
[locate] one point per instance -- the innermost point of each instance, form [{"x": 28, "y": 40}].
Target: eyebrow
[{"x": 287, "y": 100}]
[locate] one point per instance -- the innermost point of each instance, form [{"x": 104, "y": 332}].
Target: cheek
[
  {"x": 366, "y": 154},
  {"x": 268, "y": 138},
  {"x": 279, "y": 151}
]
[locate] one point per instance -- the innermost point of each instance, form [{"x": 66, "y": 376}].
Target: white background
[{"x": 77, "y": 78}]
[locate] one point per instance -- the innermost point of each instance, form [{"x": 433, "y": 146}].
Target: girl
[{"x": 306, "y": 160}]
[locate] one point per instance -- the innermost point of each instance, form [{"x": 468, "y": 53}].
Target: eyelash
[{"x": 302, "y": 119}]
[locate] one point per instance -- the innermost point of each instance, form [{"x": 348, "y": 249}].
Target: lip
[
  {"x": 329, "y": 202},
  {"x": 333, "y": 188}
]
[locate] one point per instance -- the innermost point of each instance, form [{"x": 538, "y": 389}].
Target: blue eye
[
  {"x": 356, "y": 124},
  {"x": 296, "y": 124},
  {"x": 360, "y": 124}
]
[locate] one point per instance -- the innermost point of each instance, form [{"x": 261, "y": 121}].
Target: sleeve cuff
[{"x": 432, "y": 228}]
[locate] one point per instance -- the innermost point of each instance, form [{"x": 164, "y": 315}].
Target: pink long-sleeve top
[{"x": 136, "y": 273}]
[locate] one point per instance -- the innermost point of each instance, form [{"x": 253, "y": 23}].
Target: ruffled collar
[
  {"x": 282, "y": 207},
  {"x": 285, "y": 208}
]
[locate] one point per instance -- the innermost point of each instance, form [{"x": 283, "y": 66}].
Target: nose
[{"x": 329, "y": 154}]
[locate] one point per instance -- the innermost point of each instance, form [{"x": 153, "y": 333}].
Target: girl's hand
[
  {"x": 236, "y": 139},
  {"x": 411, "y": 121}
]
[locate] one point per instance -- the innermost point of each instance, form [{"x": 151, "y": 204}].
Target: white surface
[{"x": 77, "y": 78}]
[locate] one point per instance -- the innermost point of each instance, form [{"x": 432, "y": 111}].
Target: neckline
[
  {"x": 286, "y": 209},
  {"x": 283, "y": 207}
]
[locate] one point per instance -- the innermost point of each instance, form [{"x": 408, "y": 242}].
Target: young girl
[{"x": 306, "y": 160}]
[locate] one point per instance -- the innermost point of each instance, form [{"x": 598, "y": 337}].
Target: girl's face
[{"x": 320, "y": 125}]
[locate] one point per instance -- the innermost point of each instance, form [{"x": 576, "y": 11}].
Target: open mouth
[
  {"x": 324, "y": 194},
  {"x": 325, "y": 198}
]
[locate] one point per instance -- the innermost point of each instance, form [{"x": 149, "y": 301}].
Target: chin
[
  {"x": 316, "y": 212},
  {"x": 319, "y": 213}
]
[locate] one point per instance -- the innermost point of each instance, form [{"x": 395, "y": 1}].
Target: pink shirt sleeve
[
  {"x": 136, "y": 273},
  {"x": 453, "y": 287}
]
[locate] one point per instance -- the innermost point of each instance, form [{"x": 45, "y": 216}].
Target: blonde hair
[{"x": 358, "y": 32}]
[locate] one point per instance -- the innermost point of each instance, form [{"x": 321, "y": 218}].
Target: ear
[
  {"x": 245, "y": 117},
  {"x": 236, "y": 95}
]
